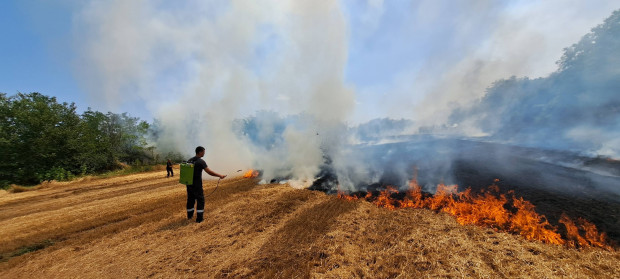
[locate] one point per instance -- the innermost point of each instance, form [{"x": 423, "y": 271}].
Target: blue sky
[
  {"x": 400, "y": 55},
  {"x": 38, "y": 53},
  {"x": 35, "y": 51},
  {"x": 396, "y": 43}
]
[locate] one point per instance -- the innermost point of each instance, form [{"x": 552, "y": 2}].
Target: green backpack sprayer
[{"x": 187, "y": 176}]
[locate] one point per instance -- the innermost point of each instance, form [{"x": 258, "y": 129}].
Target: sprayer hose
[{"x": 218, "y": 184}]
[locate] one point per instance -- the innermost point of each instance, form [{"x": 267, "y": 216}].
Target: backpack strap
[{"x": 191, "y": 160}]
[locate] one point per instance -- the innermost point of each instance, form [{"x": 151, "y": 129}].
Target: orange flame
[
  {"x": 342, "y": 195},
  {"x": 591, "y": 235},
  {"x": 489, "y": 208},
  {"x": 251, "y": 174}
]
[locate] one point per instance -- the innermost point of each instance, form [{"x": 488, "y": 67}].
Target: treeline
[{"x": 41, "y": 139}]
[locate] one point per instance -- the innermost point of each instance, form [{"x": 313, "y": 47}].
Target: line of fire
[{"x": 488, "y": 207}]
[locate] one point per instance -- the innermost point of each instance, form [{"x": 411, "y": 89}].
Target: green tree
[{"x": 40, "y": 138}]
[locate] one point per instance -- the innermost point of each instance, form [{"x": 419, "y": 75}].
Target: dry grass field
[{"x": 134, "y": 226}]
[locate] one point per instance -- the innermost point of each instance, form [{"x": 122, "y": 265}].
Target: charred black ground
[{"x": 556, "y": 182}]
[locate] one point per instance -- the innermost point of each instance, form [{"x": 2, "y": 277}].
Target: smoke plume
[
  {"x": 200, "y": 65},
  {"x": 288, "y": 86}
]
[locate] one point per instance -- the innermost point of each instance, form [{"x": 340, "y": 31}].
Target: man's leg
[
  {"x": 200, "y": 204},
  {"x": 190, "y": 202},
  {"x": 171, "y": 172}
]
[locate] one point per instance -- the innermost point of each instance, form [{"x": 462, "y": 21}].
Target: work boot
[
  {"x": 199, "y": 217},
  {"x": 190, "y": 214}
]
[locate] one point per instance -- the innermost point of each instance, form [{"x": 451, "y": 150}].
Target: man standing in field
[
  {"x": 169, "y": 168},
  {"x": 195, "y": 193}
]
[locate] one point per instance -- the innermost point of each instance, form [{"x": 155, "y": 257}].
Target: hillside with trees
[{"x": 576, "y": 107}]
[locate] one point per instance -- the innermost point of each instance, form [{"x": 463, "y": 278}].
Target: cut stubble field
[{"x": 135, "y": 226}]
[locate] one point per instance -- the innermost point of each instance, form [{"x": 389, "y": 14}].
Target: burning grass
[
  {"x": 251, "y": 174},
  {"x": 490, "y": 208}
]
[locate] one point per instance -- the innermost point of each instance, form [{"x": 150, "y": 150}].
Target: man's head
[{"x": 200, "y": 151}]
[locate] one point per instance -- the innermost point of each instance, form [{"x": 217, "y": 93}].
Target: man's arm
[{"x": 212, "y": 173}]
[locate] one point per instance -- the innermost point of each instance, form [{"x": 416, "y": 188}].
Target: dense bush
[{"x": 41, "y": 139}]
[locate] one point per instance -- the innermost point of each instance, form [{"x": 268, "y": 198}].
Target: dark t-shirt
[
  {"x": 168, "y": 165},
  {"x": 199, "y": 165}
]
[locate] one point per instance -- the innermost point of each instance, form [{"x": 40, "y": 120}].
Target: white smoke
[
  {"x": 458, "y": 49},
  {"x": 200, "y": 65}
]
